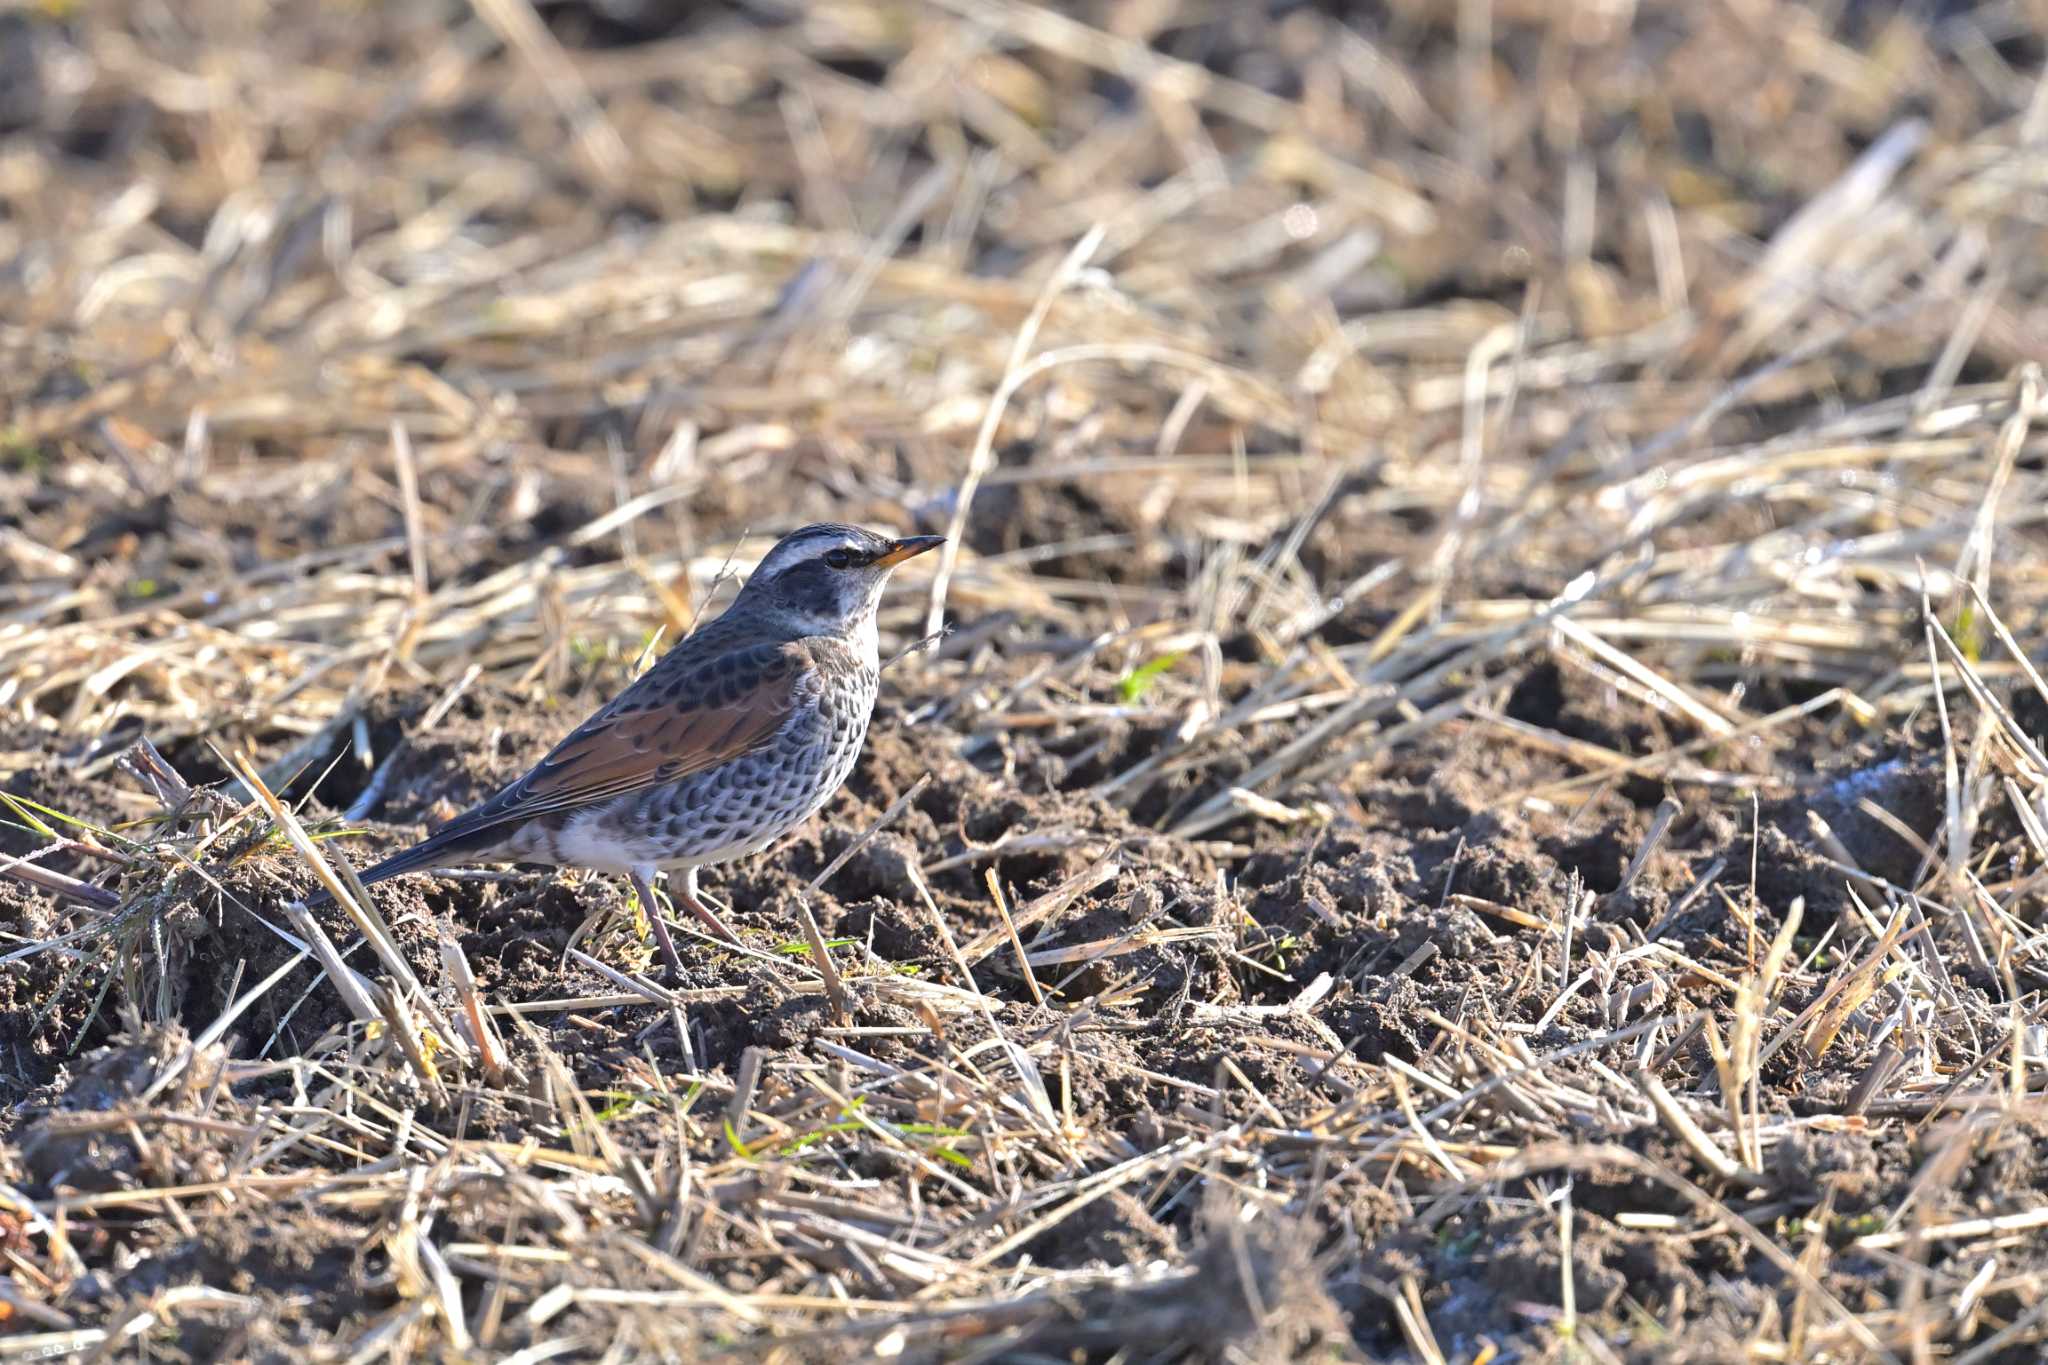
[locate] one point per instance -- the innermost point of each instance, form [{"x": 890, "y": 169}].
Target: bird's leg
[
  {"x": 710, "y": 902},
  {"x": 643, "y": 878},
  {"x": 696, "y": 906}
]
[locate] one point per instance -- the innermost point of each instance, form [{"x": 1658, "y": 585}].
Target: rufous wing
[{"x": 659, "y": 730}]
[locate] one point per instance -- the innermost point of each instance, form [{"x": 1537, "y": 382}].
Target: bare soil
[{"x": 1482, "y": 800}]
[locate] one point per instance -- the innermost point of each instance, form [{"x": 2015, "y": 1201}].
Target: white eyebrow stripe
[{"x": 807, "y": 550}]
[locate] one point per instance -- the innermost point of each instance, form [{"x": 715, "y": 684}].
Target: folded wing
[{"x": 660, "y": 730}]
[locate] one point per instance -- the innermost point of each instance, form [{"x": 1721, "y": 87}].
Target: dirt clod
[{"x": 1480, "y": 797}]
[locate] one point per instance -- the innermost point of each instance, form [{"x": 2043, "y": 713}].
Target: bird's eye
[{"x": 841, "y": 558}]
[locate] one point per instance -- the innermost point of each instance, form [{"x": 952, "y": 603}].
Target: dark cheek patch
[{"x": 809, "y": 585}]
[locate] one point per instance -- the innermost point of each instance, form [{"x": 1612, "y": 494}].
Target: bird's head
[{"x": 826, "y": 579}]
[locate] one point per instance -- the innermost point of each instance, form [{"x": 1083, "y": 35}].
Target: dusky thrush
[{"x": 732, "y": 739}]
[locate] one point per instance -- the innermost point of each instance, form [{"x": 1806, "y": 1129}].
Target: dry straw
[{"x": 1482, "y": 441}]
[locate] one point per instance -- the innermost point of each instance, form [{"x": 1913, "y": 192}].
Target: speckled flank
[{"x": 735, "y": 808}]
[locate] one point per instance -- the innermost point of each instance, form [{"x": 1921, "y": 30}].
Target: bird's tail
[
  {"x": 421, "y": 857},
  {"x": 479, "y": 831}
]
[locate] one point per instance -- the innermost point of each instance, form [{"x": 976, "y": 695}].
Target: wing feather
[{"x": 661, "y": 729}]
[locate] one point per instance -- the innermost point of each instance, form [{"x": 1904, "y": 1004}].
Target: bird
[{"x": 733, "y": 738}]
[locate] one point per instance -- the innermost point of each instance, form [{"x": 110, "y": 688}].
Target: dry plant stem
[
  {"x": 347, "y": 984},
  {"x": 983, "y": 453},
  {"x": 1400, "y": 752},
  {"x": 58, "y": 884},
  {"x": 475, "y": 1015},
  {"x": 361, "y": 910},
  {"x": 1690, "y": 1133},
  {"x": 835, "y": 989}
]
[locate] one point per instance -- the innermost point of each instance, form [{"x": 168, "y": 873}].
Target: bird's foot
[
  {"x": 652, "y": 906},
  {"x": 686, "y": 896},
  {"x": 701, "y": 906}
]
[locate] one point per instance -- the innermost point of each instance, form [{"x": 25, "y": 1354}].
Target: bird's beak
[{"x": 908, "y": 548}]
